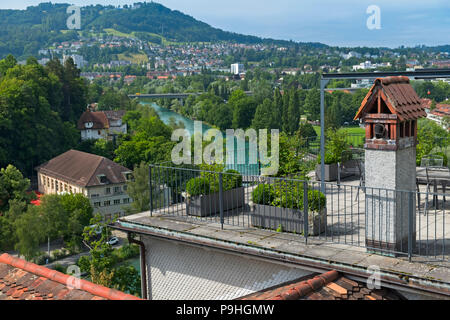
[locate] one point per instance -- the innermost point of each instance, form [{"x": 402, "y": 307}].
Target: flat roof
[{"x": 291, "y": 249}]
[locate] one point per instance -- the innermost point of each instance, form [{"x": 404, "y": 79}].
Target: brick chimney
[{"x": 390, "y": 112}]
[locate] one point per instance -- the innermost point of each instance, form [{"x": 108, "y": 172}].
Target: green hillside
[{"x": 24, "y": 32}]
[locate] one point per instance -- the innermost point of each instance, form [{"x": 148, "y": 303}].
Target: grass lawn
[
  {"x": 116, "y": 33},
  {"x": 350, "y": 130},
  {"x": 136, "y": 58}
]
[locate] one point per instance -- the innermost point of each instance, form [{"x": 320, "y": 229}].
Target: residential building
[
  {"x": 439, "y": 113},
  {"x": 102, "y": 124},
  {"x": 22, "y": 280},
  {"x": 101, "y": 180},
  {"x": 237, "y": 68},
  {"x": 78, "y": 60},
  {"x": 363, "y": 83}
]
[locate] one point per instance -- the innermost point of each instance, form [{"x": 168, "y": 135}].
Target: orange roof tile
[
  {"x": 328, "y": 286},
  {"x": 399, "y": 95},
  {"x": 22, "y": 280}
]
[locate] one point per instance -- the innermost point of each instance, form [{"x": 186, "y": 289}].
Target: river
[{"x": 165, "y": 115}]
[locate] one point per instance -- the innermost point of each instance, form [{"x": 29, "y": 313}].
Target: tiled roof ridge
[
  {"x": 393, "y": 79},
  {"x": 94, "y": 289},
  {"x": 308, "y": 286}
]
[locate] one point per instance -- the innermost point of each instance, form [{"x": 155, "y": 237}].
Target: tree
[
  {"x": 29, "y": 233},
  {"x": 54, "y": 217},
  {"x": 7, "y": 234},
  {"x": 7, "y": 63},
  {"x": 306, "y": 133},
  {"x": 293, "y": 113},
  {"x": 30, "y": 97},
  {"x": 221, "y": 116},
  {"x": 138, "y": 188},
  {"x": 332, "y": 116},
  {"x": 244, "y": 108},
  {"x": 290, "y": 157},
  {"x": 102, "y": 262},
  {"x": 277, "y": 110},
  {"x": 312, "y": 105},
  {"x": 263, "y": 115},
  {"x": 73, "y": 87},
  {"x": 13, "y": 186},
  {"x": 80, "y": 213},
  {"x": 151, "y": 143}
]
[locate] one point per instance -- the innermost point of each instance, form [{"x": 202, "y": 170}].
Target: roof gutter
[
  {"x": 389, "y": 278},
  {"x": 143, "y": 264}
]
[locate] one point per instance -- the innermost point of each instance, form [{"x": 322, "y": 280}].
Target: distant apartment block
[
  {"x": 237, "y": 68},
  {"x": 101, "y": 124},
  {"x": 77, "y": 60},
  {"x": 101, "y": 180}
]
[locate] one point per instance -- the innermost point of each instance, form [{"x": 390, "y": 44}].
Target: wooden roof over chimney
[{"x": 392, "y": 95}]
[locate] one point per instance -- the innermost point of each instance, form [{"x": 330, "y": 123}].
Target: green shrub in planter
[
  {"x": 232, "y": 179},
  {"x": 263, "y": 194},
  {"x": 198, "y": 186},
  {"x": 316, "y": 200},
  {"x": 288, "y": 195}
]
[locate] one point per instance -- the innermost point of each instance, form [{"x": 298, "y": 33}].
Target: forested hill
[{"x": 24, "y": 32}]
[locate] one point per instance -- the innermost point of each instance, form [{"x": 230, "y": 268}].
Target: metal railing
[{"x": 389, "y": 222}]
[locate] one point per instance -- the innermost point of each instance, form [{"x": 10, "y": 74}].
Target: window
[
  {"x": 97, "y": 204},
  {"x": 117, "y": 189},
  {"x": 48, "y": 182},
  {"x": 126, "y": 200},
  {"x": 117, "y": 201},
  {"x": 102, "y": 179},
  {"x": 56, "y": 185},
  {"x": 125, "y": 187},
  {"x": 95, "y": 195},
  {"x": 106, "y": 203},
  {"x": 108, "y": 191},
  {"x": 53, "y": 184},
  {"x": 128, "y": 175}
]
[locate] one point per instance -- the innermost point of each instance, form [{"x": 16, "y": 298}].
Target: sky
[{"x": 333, "y": 22}]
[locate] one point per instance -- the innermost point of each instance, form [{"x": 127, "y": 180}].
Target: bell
[{"x": 380, "y": 131}]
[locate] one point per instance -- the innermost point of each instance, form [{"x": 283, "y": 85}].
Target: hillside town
[{"x": 147, "y": 155}]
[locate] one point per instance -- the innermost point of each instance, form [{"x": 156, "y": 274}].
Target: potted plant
[
  {"x": 335, "y": 145},
  {"x": 279, "y": 206},
  {"x": 203, "y": 198}
]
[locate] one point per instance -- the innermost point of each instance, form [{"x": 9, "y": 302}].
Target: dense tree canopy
[{"x": 32, "y": 129}]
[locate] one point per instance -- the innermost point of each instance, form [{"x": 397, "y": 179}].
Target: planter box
[
  {"x": 331, "y": 172},
  {"x": 291, "y": 220},
  {"x": 206, "y": 205},
  {"x": 349, "y": 168}
]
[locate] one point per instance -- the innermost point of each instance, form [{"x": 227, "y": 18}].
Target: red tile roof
[
  {"x": 22, "y": 280},
  {"x": 327, "y": 286},
  {"x": 441, "y": 110},
  {"x": 400, "y": 97},
  {"x": 83, "y": 169},
  {"x": 98, "y": 118}
]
